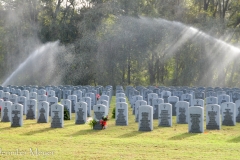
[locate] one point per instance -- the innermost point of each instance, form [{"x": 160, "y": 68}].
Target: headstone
[
  {"x": 199, "y": 95},
  {"x": 17, "y": 115},
  {"x": 211, "y": 100},
  {"x": 165, "y": 115},
  {"x": 25, "y": 93},
  {"x": 81, "y": 113},
  {"x": 73, "y": 99},
  {"x": 120, "y": 99},
  {"x": 42, "y": 98},
  {"x": 57, "y": 112},
  {"x": 6, "y": 111},
  {"x": 237, "y": 103},
  {"x": 88, "y": 101},
  {"x": 223, "y": 98},
  {"x": 51, "y": 101},
  {"x": 67, "y": 106},
  {"x": 33, "y": 95},
  {"x": 31, "y": 109},
  {"x": 145, "y": 118},
  {"x": 187, "y": 98},
  {"x": 228, "y": 114},
  {"x": 211, "y": 94},
  {"x": 99, "y": 112},
  {"x": 151, "y": 96},
  {"x": 198, "y": 102},
  {"x": 118, "y": 95},
  {"x": 121, "y": 114},
  {"x": 23, "y": 101},
  {"x": 43, "y": 112},
  {"x": 138, "y": 103},
  {"x": 156, "y": 102},
  {"x": 78, "y": 93},
  {"x": 165, "y": 95},
  {"x": 213, "y": 117},
  {"x": 173, "y": 100},
  {"x": 196, "y": 119},
  {"x": 182, "y": 112},
  {"x": 13, "y": 98},
  {"x": 5, "y": 96},
  {"x": 51, "y": 93},
  {"x": 103, "y": 102},
  {"x": 66, "y": 93}
]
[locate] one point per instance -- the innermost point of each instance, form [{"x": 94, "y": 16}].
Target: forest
[{"x": 120, "y": 42}]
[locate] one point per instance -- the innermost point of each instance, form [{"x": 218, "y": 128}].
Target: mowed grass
[{"x": 116, "y": 142}]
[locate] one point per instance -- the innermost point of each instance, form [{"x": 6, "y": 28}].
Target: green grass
[{"x": 117, "y": 142}]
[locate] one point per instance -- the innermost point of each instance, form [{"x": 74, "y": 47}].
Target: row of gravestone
[
  {"x": 62, "y": 92},
  {"x": 197, "y": 93}
]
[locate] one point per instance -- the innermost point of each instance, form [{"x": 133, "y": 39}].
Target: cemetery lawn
[{"x": 39, "y": 141}]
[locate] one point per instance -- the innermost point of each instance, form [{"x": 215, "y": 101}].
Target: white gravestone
[
  {"x": 213, "y": 117},
  {"x": 173, "y": 101},
  {"x": 78, "y": 93},
  {"x": 228, "y": 110},
  {"x": 81, "y": 113},
  {"x": 118, "y": 95},
  {"x": 73, "y": 99},
  {"x": 25, "y": 93},
  {"x": 145, "y": 118},
  {"x": 120, "y": 99},
  {"x": 51, "y": 93},
  {"x": 57, "y": 118},
  {"x": 165, "y": 115},
  {"x": 66, "y": 93},
  {"x": 237, "y": 103},
  {"x": 43, "y": 112},
  {"x": 182, "y": 112},
  {"x": 187, "y": 98},
  {"x": 211, "y": 94},
  {"x": 67, "y": 105},
  {"x": 156, "y": 102},
  {"x": 103, "y": 102},
  {"x": 211, "y": 100},
  {"x": 196, "y": 119},
  {"x": 31, "y": 109},
  {"x": 33, "y": 95},
  {"x": 138, "y": 103},
  {"x": 5, "y": 96},
  {"x": 151, "y": 96},
  {"x": 134, "y": 99},
  {"x": 165, "y": 95},
  {"x": 223, "y": 98},
  {"x": 92, "y": 96},
  {"x": 42, "y": 98},
  {"x": 198, "y": 102},
  {"x": 23, "y": 101},
  {"x": 51, "y": 101},
  {"x": 99, "y": 111},
  {"x": 6, "y": 111},
  {"x": 17, "y": 115},
  {"x": 88, "y": 101},
  {"x": 13, "y": 98},
  {"x": 106, "y": 98},
  {"x": 121, "y": 114}
]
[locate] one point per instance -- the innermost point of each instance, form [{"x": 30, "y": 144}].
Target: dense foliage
[{"x": 127, "y": 42}]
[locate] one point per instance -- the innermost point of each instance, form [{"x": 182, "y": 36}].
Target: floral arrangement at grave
[
  {"x": 102, "y": 122},
  {"x": 66, "y": 114}
]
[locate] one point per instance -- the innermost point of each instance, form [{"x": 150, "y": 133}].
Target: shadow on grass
[
  {"x": 132, "y": 134},
  {"x": 235, "y": 140},
  {"x": 7, "y": 128},
  {"x": 40, "y": 131},
  {"x": 85, "y": 132},
  {"x": 183, "y": 136}
]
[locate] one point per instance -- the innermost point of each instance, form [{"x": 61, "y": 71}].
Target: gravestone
[
  {"x": 165, "y": 95},
  {"x": 106, "y": 98},
  {"x": 81, "y": 113},
  {"x": 211, "y": 100},
  {"x": 165, "y": 115},
  {"x": 57, "y": 120},
  {"x": 105, "y": 103},
  {"x": 43, "y": 112},
  {"x": 78, "y": 93},
  {"x": 50, "y": 93},
  {"x": 156, "y": 102},
  {"x": 88, "y": 101},
  {"x": 13, "y": 98},
  {"x": 5, "y": 96},
  {"x": 120, "y": 99},
  {"x": 73, "y": 99},
  {"x": 138, "y": 103},
  {"x": 121, "y": 114},
  {"x": 93, "y": 97},
  {"x": 199, "y": 95},
  {"x": 16, "y": 115},
  {"x": 23, "y": 101},
  {"x": 51, "y": 101},
  {"x": 228, "y": 114},
  {"x": 42, "y": 98},
  {"x": 196, "y": 119},
  {"x": 178, "y": 94},
  {"x": 151, "y": 96},
  {"x": 31, "y": 109},
  {"x": 6, "y": 111},
  {"x": 145, "y": 118},
  {"x": 119, "y": 95},
  {"x": 223, "y": 98},
  {"x": 211, "y": 94},
  {"x": 33, "y": 95},
  {"x": 25, "y": 93},
  {"x": 182, "y": 112},
  {"x": 237, "y": 103},
  {"x": 198, "y": 102},
  {"x": 66, "y": 93},
  {"x": 213, "y": 117},
  {"x": 133, "y": 102},
  {"x": 187, "y": 98},
  {"x": 67, "y": 106},
  {"x": 99, "y": 111},
  {"x": 173, "y": 100},
  {"x": 235, "y": 97}
]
